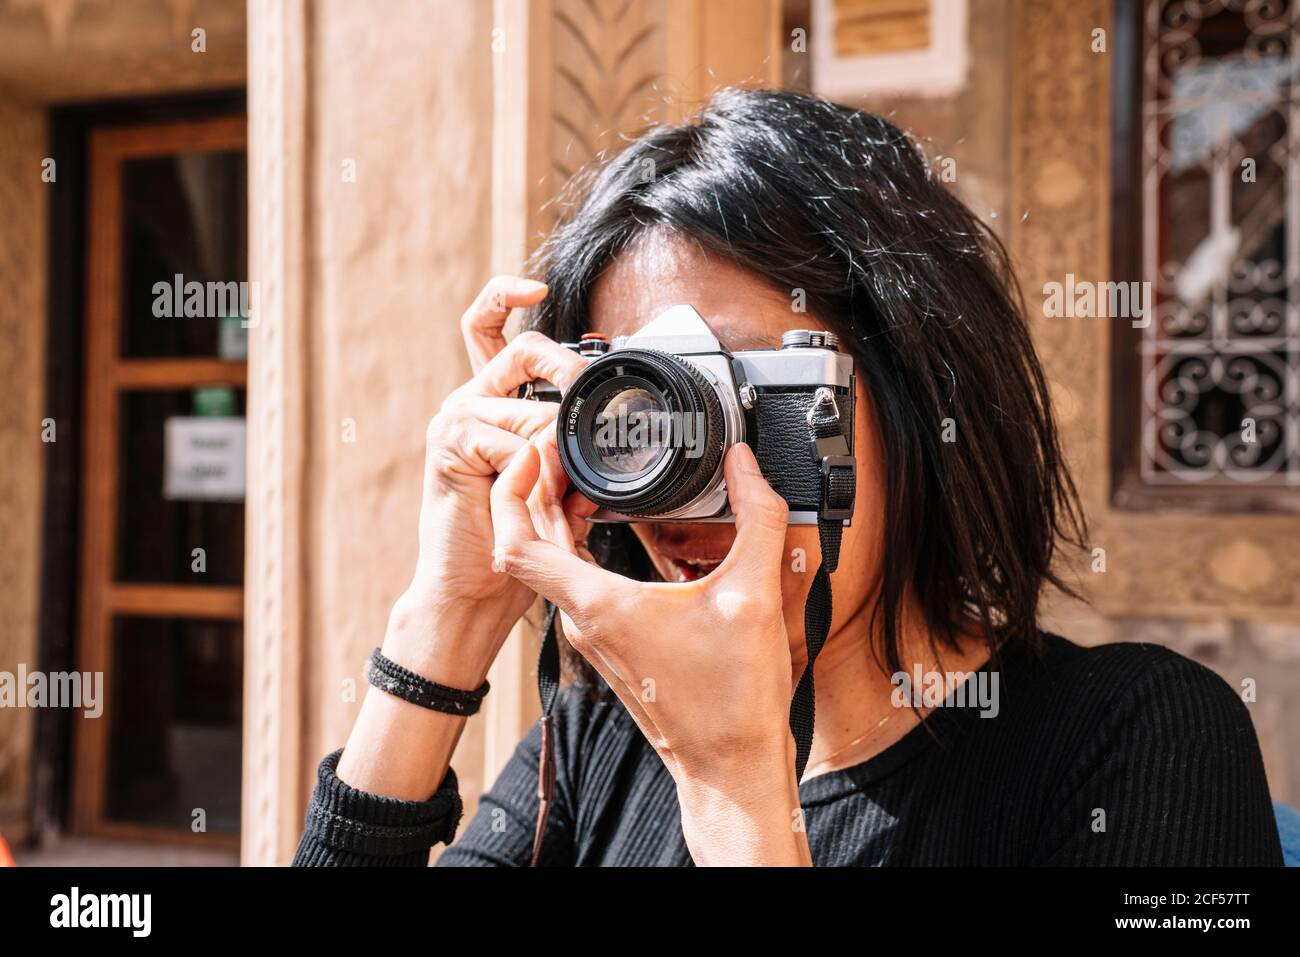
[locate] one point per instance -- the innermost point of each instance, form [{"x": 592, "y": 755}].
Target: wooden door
[{"x": 161, "y": 610}]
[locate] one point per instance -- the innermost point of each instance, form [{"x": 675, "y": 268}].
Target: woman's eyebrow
[{"x": 741, "y": 340}]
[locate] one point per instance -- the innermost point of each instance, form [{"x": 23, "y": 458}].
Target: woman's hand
[
  {"x": 703, "y": 667},
  {"x": 451, "y": 621},
  {"x": 455, "y": 615}
]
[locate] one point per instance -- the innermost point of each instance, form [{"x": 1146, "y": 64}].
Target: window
[{"x": 1206, "y": 216}]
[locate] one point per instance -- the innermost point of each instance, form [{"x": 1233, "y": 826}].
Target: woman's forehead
[{"x": 743, "y": 310}]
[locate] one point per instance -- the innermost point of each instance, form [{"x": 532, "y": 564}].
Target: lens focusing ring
[{"x": 675, "y": 480}]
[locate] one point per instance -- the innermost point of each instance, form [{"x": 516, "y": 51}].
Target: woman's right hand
[{"x": 457, "y": 612}]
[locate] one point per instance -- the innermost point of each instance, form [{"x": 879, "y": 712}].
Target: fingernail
[
  {"x": 498, "y": 564},
  {"x": 524, "y": 287}
]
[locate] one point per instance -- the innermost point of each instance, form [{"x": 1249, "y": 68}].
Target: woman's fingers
[
  {"x": 546, "y": 503},
  {"x": 578, "y": 509},
  {"x": 476, "y": 448},
  {"x": 565, "y": 513},
  {"x": 529, "y": 355},
  {"x": 558, "y": 521},
  {"x": 761, "y": 516},
  {"x": 514, "y": 415},
  {"x": 552, "y": 483},
  {"x": 594, "y": 603},
  {"x": 479, "y": 436},
  {"x": 554, "y": 573},
  {"x": 483, "y": 323}
]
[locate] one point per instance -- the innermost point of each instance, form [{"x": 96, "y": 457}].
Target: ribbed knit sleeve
[
  {"x": 1168, "y": 773},
  {"x": 346, "y": 827}
]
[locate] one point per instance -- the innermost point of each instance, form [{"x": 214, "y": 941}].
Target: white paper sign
[{"x": 203, "y": 459}]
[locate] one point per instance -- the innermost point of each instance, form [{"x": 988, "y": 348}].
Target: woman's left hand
[{"x": 703, "y": 667}]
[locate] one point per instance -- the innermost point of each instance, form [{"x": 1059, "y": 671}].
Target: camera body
[{"x": 643, "y": 430}]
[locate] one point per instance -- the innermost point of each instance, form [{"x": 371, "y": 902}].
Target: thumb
[{"x": 761, "y": 514}]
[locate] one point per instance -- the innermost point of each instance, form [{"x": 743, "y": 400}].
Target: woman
[{"x": 774, "y": 212}]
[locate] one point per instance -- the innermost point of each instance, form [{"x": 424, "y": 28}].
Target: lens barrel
[{"x": 641, "y": 432}]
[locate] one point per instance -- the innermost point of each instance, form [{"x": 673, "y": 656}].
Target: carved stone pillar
[
  {"x": 274, "y": 562},
  {"x": 370, "y": 137}
]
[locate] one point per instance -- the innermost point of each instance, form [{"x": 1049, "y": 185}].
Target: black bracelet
[{"x": 389, "y": 676}]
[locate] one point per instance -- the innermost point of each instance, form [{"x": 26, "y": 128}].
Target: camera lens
[
  {"x": 626, "y": 438},
  {"x": 642, "y": 432}
]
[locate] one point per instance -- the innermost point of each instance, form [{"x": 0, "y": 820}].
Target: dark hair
[{"x": 813, "y": 196}]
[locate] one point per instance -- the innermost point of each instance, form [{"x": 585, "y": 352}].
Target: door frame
[{"x": 105, "y": 375}]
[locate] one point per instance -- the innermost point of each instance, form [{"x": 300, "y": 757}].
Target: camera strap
[
  {"x": 839, "y": 480},
  {"x": 838, "y": 471},
  {"x": 548, "y": 686}
]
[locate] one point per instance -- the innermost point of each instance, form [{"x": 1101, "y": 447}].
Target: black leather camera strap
[{"x": 830, "y": 450}]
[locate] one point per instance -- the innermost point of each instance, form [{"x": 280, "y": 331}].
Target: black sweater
[{"x": 1124, "y": 754}]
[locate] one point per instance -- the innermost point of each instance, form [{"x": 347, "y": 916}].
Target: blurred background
[{"x": 235, "y": 242}]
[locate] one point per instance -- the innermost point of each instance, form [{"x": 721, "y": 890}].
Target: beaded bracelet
[{"x": 389, "y": 676}]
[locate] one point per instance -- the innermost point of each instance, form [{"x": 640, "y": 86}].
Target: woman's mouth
[
  {"x": 686, "y": 553},
  {"x": 690, "y": 569}
]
